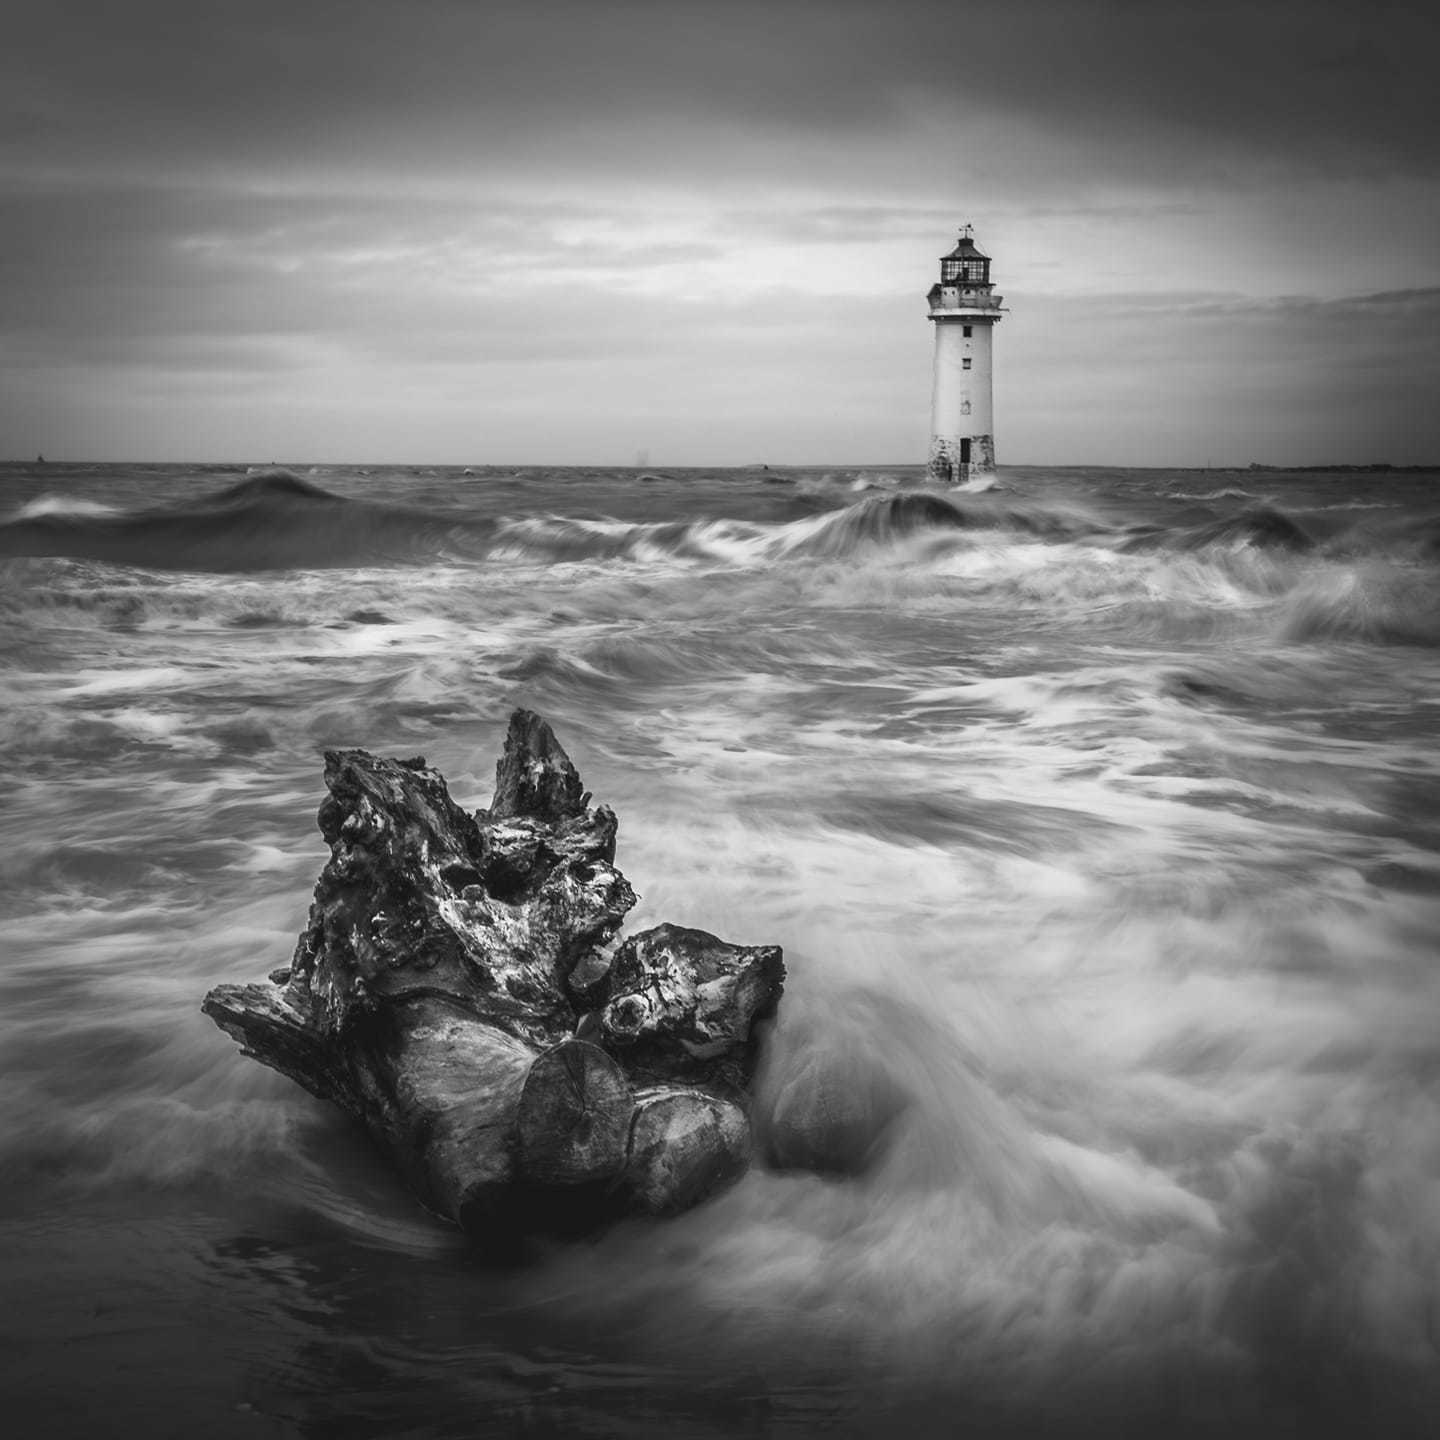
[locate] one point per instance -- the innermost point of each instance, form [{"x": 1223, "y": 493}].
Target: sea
[{"x": 1097, "y": 812}]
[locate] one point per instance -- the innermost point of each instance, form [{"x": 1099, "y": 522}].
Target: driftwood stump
[{"x": 459, "y": 989}]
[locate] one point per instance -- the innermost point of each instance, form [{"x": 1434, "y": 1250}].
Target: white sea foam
[
  {"x": 1117, "y": 866},
  {"x": 44, "y": 506}
]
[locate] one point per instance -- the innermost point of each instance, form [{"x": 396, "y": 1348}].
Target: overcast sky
[{"x": 568, "y": 231}]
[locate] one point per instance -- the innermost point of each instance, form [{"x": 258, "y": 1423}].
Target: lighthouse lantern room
[{"x": 965, "y": 310}]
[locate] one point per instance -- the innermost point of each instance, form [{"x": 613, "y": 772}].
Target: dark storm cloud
[
  {"x": 1224, "y": 87},
  {"x": 349, "y": 85},
  {"x": 1212, "y": 91}
]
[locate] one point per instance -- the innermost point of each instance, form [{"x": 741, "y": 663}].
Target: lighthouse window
[
  {"x": 967, "y": 272},
  {"x": 965, "y": 363},
  {"x": 965, "y": 330}
]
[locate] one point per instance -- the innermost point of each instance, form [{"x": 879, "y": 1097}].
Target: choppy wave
[
  {"x": 1370, "y": 603},
  {"x": 1262, "y": 526},
  {"x": 270, "y": 520},
  {"x": 1197, "y": 575},
  {"x": 1228, "y": 492},
  {"x": 276, "y": 520}
]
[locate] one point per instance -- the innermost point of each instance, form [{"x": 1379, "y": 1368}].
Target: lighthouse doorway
[{"x": 964, "y": 460}]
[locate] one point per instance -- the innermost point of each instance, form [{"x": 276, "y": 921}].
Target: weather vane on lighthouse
[{"x": 965, "y": 309}]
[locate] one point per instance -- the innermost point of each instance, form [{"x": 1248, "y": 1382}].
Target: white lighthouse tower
[{"x": 962, "y": 408}]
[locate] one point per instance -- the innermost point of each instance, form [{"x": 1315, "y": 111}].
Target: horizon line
[{"x": 1253, "y": 465}]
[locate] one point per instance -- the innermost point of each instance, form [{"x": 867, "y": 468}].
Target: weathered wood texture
[
  {"x": 573, "y": 1125},
  {"x": 684, "y": 1144},
  {"x": 457, "y": 988},
  {"x": 682, "y": 1005}
]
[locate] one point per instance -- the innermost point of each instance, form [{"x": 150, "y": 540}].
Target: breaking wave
[
  {"x": 47, "y": 505},
  {"x": 275, "y": 520}
]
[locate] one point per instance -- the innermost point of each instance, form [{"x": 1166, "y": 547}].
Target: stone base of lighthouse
[{"x": 954, "y": 461}]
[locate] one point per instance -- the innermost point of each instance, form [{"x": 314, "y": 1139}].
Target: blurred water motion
[{"x": 1098, "y": 815}]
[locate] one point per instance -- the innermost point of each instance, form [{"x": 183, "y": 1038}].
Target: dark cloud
[
  {"x": 1226, "y": 90},
  {"x": 431, "y": 85},
  {"x": 676, "y": 87}
]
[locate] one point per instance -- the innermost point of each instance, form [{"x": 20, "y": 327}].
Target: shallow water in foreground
[{"x": 1098, "y": 814}]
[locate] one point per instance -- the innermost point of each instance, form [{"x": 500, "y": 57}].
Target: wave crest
[{"x": 272, "y": 520}]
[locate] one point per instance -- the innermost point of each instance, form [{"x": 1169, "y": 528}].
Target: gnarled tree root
[{"x": 459, "y": 989}]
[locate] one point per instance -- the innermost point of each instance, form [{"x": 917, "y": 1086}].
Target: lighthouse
[{"x": 965, "y": 310}]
